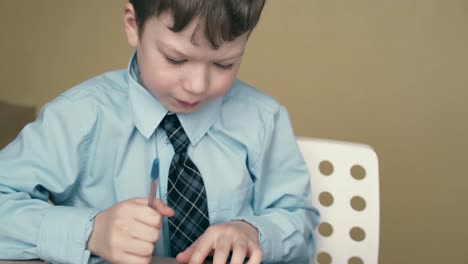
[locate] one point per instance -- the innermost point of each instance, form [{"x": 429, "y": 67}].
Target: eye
[
  {"x": 224, "y": 67},
  {"x": 175, "y": 62}
]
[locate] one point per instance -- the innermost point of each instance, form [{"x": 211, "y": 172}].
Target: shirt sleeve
[
  {"x": 45, "y": 162},
  {"x": 284, "y": 216}
]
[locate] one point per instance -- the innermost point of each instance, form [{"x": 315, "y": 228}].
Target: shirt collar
[{"x": 148, "y": 112}]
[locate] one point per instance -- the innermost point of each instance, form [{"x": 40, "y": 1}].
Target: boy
[{"x": 232, "y": 183}]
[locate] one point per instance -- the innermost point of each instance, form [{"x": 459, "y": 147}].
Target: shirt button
[{"x": 166, "y": 140}]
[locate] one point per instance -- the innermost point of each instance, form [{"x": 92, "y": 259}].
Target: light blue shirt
[{"x": 94, "y": 145}]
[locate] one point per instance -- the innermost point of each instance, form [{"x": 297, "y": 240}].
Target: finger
[
  {"x": 145, "y": 232},
  {"x": 203, "y": 247},
  {"x": 158, "y": 205},
  {"x": 162, "y": 208},
  {"x": 184, "y": 256},
  {"x": 139, "y": 200},
  {"x": 148, "y": 216},
  {"x": 255, "y": 254},
  {"x": 239, "y": 252},
  {"x": 139, "y": 248},
  {"x": 134, "y": 259},
  {"x": 223, "y": 247}
]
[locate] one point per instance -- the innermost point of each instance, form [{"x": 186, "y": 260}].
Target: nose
[{"x": 197, "y": 80}]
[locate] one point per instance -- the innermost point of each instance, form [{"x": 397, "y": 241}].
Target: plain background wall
[{"x": 392, "y": 74}]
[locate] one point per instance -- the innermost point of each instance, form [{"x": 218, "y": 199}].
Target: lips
[{"x": 187, "y": 104}]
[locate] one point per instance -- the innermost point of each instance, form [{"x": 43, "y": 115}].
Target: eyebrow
[
  {"x": 237, "y": 55},
  {"x": 168, "y": 47}
]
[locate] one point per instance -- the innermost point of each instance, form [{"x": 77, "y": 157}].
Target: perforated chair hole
[
  {"x": 326, "y": 199},
  {"x": 357, "y": 234},
  {"x": 324, "y": 258},
  {"x": 358, "y": 203},
  {"x": 358, "y": 172},
  {"x": 355, "y": 260},
  {"x": 325, "y": 229},
  {"x": 326, "y": 168}
]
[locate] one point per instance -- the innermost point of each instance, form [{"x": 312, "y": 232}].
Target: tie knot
[{"x": 175, "y": 132}]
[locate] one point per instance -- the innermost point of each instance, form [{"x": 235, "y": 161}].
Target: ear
[{"x": 130, "y": 25}]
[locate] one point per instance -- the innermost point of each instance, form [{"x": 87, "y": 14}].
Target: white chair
[{"x": 345, "y": 189}]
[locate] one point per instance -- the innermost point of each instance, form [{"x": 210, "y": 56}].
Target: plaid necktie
[{"x": 186, "y": 192}]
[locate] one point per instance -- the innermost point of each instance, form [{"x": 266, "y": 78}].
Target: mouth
[{"x": 185, "y": 104}]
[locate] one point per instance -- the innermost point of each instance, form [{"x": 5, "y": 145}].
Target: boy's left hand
[{"x": 219, "y": 240}]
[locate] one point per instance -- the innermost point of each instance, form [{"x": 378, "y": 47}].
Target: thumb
[{"x": 162, "y": 208}]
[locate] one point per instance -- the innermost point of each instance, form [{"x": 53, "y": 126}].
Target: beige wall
[{"x": 393, "y": 74}]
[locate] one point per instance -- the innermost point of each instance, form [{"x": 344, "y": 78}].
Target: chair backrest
[
  {"x": 345, "y": 189},
  {"x": 12, "y": 119}
]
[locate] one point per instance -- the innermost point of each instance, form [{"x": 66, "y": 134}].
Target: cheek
[
  {"x": 159, "y": 82},
  {"x": 154, "y": 73},
  {"x": 224, "y": 82}
]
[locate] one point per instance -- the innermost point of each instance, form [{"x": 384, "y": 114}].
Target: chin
[
  {"x": 179, "y": 110},
  {"x": 185, "y": 111}
]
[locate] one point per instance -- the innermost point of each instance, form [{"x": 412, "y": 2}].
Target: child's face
[{"x": 184, "y": 76}]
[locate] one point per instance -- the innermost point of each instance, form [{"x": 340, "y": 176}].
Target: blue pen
[{"x": 154, "y": 182}]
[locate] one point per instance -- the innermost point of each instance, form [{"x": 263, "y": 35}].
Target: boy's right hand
[{"x": 126, "y": 232}]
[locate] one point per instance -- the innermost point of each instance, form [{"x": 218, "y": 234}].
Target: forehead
[{"x": 191, "y": 38}]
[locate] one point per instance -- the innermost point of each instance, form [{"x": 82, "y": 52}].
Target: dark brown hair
[{"x": 221, "y": 20}]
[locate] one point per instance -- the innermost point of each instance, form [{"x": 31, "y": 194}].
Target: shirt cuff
[
  {"x": 269, "y": 237},
  {"x": 64, "y": 233}
]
